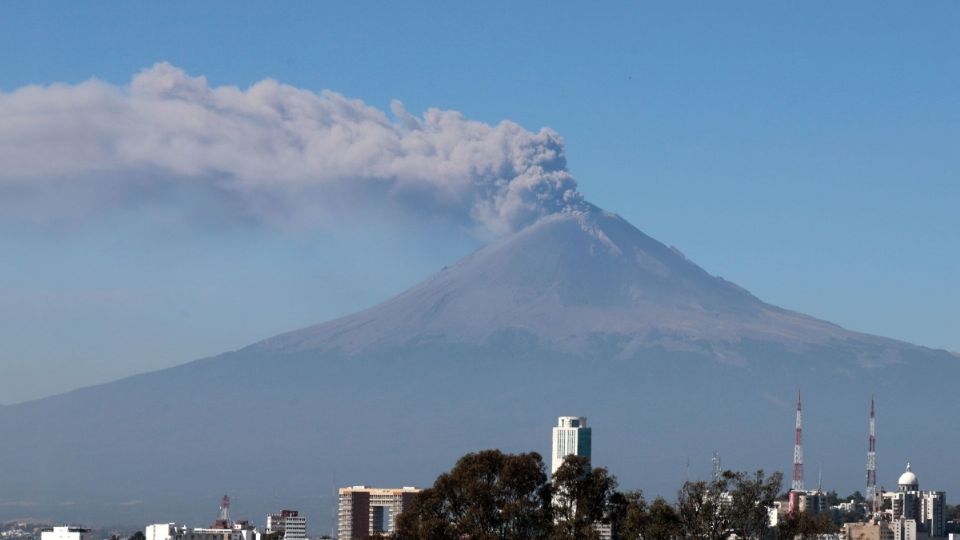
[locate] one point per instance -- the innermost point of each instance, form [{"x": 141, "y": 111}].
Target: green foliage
[
  {"x": 804, "y": 526},
  {"x": 138, "y": 536},
  {"x": 490, "y": 495},
  {"x": 700, "y": 508},
  {"x": 856, "y": 495},
  {"x": 750, "y": 498},
  {"x": 486, "y": 495},
  {"x": 581, "y": 499},
  {"x": 659, "y": 521}
]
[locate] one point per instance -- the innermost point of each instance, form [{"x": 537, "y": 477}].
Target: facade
[
  {"x": 875, "y": 530},
  {"x": 173, "y": 531},
  {"x": 570, "y": 437},
  {"x": 906, "y": 529},
  {"x": 290, "y": 523},
  {"x": 365, "y": 511},
  {"x": 812, "y": 502},
  {"x": 66, "y": 533},
  {"x": 927, "y": 509}
]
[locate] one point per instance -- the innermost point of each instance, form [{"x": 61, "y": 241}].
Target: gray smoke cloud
[{"x": 269, "y": 153}]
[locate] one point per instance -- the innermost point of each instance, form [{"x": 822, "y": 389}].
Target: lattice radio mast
[
  {"x": 797, "y": 484},
  {"x": 872, "y": 459}
]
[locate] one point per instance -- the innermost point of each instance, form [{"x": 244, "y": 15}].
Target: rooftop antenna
[
  {"x": 688, "y": 468},
  {"x": 797, "y": 484},
  {"x": 225, "y": 508},
  {"x": 819, "y": 477},
  {"x": 716, "y": 466}
]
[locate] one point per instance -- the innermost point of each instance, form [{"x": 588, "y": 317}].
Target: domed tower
[{"x": 908, "y": 481}]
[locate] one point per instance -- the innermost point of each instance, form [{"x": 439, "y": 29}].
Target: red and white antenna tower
[
  {"x": 872, "y": 459},
  {"x": 797, "y": 484}
]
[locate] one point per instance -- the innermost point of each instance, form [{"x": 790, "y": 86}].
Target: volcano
[{"x": 579, "y": 313}]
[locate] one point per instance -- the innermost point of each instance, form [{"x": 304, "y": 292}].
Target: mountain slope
[
  {"x": 572, "y": 280},
  {"x": 580, "y": 313}
]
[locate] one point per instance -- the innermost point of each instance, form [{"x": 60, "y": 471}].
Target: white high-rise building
[
  {"x": 927, "y": 509},
  {"x": 570, "y": 437}
]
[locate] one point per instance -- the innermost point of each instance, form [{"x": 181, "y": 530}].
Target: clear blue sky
[{"x": 809, "y": 152}]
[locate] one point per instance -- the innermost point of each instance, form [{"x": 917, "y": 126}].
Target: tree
[
  {"x": 487, "y": 495},
  {"x": 700, "y": 508},
  {"x": 804, "y": 526},
  {"x": 490, "y": 495},
  {"x": 749, "y": 501},
  {"x": 631, "y": 514},
  {"x": 856, "y": 496},
  {"x": 138, "y": 536},
  {"x": 658, "y": 521},
  {"x": 583, "y": 497}
]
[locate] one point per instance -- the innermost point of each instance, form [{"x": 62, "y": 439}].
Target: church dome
[{"x": 908, "y": 479}]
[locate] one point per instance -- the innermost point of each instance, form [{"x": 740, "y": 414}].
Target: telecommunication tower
[
  {"x": 225, "y": 508},
  {"x": 872, "y": 459},
  {"x": 797, "y": 484}
]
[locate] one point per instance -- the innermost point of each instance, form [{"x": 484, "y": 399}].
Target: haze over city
[{"x": 445, "y": 226}]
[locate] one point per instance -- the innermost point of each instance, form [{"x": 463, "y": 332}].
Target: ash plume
[{"x": 270, "y": 153}]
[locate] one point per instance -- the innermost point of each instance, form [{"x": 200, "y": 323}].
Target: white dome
[{"x": 908, "y": 478}]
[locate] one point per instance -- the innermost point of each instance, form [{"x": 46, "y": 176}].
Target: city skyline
[{"x": 281, "y": 251}]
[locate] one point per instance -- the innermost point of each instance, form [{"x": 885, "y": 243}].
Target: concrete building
[
  {"x": 365, "y": 511},
  {"x": 66, "y": 533},
  {"x": 928, "y": 509},
  {"x": 570, "y": 437},
  {"x": 906, "y": 529},
  {"x": 172, "y": 531},
  {"x": 290, "y": 523},
  {"x": 874, "y": 530},
  {"x": 812, "y": 502}
]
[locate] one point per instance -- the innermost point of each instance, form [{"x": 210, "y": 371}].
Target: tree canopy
[{"x": 492, "y": 495}]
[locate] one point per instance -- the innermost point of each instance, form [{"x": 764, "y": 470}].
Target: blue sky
[{"x": 808, "y": 152}]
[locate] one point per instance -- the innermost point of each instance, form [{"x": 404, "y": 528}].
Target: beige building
[
  {"x": 364, "y": 511},
  {"x": 880, "y": 530}
]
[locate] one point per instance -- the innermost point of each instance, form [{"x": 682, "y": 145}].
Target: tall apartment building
[
  {"x": 570, "y": 437},
  {"x": 926, "y": 508},
  {"x": 290, "y": 523},
  {"x": 905, "y": 529},
  {"x": 66, "y": 533},
  {"x": 364, "y": 511}
]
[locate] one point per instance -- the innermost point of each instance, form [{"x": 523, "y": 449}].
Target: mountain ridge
[
  {"x": 579, "y": 313},
  {"x": 663, "y": 269}
]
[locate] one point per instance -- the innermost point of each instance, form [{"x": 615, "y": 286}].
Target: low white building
[
  {"x": 66, "y": 533},
  {"x": 173, "y": 531}
]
